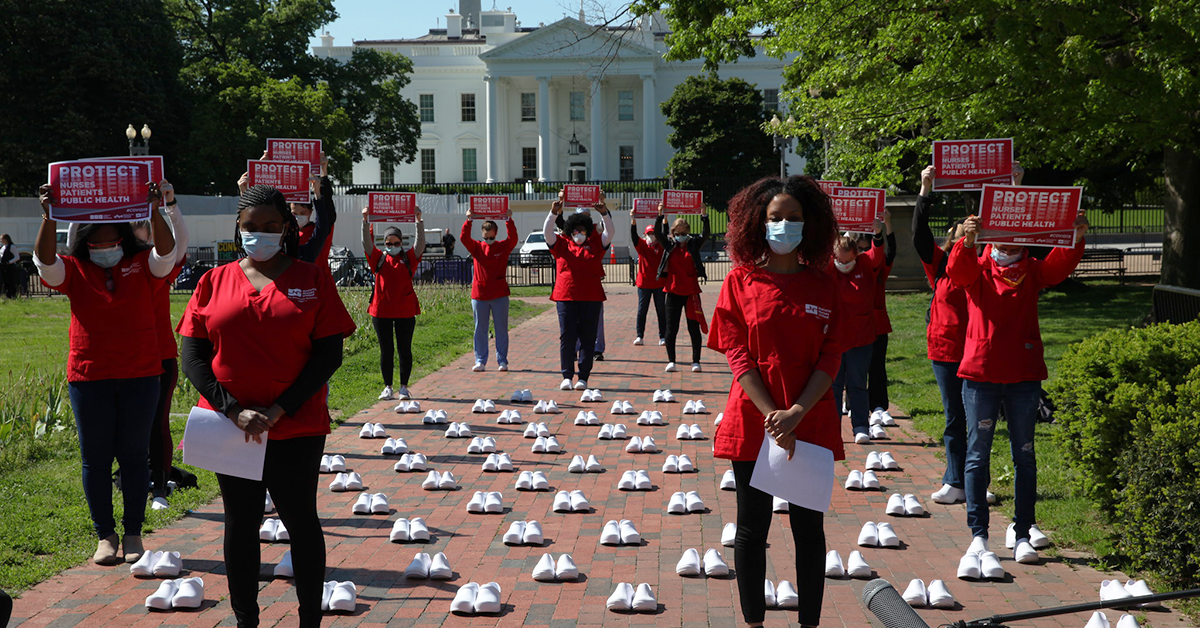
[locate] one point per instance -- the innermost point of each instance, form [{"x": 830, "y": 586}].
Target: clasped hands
[
  {"x": 255, "y": 421},
  {"x": 781, "y": 425}
]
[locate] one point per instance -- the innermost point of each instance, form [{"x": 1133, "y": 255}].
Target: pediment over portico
[{"x": 570, "y": 39}]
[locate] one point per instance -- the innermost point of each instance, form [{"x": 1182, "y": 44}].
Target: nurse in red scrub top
[
  {"x": 776, "y": 321},
  {"x": 261, "y": 337}
]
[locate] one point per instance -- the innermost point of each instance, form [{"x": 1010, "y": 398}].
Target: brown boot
[
  {"x": 106, "y": 551},
  {"x": 133, "y": 548}
]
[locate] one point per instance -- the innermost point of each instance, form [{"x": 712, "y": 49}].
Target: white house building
[{"x": 503, "y": 102}]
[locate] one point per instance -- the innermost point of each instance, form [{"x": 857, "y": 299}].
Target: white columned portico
[
  {"x": 552, "y": 174},
  {"x": 597, "y": 149},
  {"x": 493, "y": 135},
  {"x": 649, "y": 124},
  {"x": 543, "y": 116}
]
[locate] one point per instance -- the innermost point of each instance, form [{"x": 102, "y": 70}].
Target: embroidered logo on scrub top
[
  {"x": 301, "y": 295},
  {"x": 1012, "y": 276},
  {"x": 817, "y": 311},
  {"x": 131, "y": 269}
]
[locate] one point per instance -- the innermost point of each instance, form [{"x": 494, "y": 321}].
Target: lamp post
[
  {"x": 137, "y": 148},
  {"x": 783, "y": 143}
]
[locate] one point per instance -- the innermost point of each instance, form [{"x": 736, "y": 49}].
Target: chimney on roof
[
  {"x": 453, "y": 25},
  {"x": 326, "y": 40}
]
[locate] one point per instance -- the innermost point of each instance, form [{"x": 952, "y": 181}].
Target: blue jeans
[
  {"x": 955, "y": 435},
  {"x": 852, "y": 378},
  {"x": 113, "y": 418},
  {"x": 982, "y": 402},
  {"x": 497, "y": 309},
  {"x": 645, "y": 297}
]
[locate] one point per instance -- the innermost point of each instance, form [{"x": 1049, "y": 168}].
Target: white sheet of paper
[
  {"x": 211, "y": 441},
  {"x": 805, "y": 480}
]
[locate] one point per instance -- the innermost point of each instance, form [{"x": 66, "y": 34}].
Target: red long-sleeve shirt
[{"x": 490, "y": 280}]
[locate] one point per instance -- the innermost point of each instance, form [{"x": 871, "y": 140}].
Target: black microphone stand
[{"x": 1000, "y": 621}]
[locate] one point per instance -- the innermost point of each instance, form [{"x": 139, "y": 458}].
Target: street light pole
[
  {"x": 138, "y": 148},
  {"x": 783, "y": 143}
]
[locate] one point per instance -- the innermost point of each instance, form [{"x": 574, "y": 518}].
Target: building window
[
  {"x": 625, "y": 107},
  {"x": 770, "y": 100},
  {"x": 528, "y": 107},
  {"x": 428, "y": 166},
  {"x": 576, "y": 106},
  {"x": 529, "y": 162},
  {"x": 626, "y": 162},
  {"x": 426, "y": 104},
  {"x": 470, "y": 166},
  {"x": 468, "y": 107},
  {"x": 387, "y": 173}
]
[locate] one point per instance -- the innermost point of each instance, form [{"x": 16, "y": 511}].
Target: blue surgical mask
[
  {"x": 393, "y": 250},
  {"x": 784, "y": 236},
  {"x": 106, "y": 257},
  {"x": 680, "y": 239},
  {"x": 1006, "y": 259},
  {"x": 260, "y": 246}
]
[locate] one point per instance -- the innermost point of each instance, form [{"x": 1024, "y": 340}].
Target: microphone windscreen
[{"x": 884, "y": 601}]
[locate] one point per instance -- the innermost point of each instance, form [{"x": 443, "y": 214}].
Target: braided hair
[{"x": 266, "y": 195}]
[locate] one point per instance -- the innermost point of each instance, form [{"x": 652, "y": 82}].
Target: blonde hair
[
  {"x": 679, "y": 222},
  {"x": 845, "y": 243}
]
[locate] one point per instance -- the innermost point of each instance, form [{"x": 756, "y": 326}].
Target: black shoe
[{"x": 599, "y": 357}]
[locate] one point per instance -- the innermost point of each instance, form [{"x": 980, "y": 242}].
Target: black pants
[
  {"x": 162, "y": 446},
  {"x": 750, "y": 550},
  {"x": 645, "y": 296},
  {"x": 8, "y": 280},
  {"x": 6, "y": 606},
  {"x": 577, "y": 323},
  {"x": 290, "y": 472},
  {"x": 877, "y": 387},
  {"x": 676, "y": 305},
  {"x": 402, "y": 328}
]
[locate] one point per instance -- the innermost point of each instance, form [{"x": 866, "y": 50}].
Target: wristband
[{"x": 171, "y": 203}]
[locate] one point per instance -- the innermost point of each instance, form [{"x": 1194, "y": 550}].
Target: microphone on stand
[{"x": 882, "y": 599}]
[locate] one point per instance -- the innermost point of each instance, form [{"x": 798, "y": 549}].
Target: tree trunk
[{"x": 1181, "y": 230}]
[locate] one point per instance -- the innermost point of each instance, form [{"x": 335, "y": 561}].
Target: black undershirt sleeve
[
  {"x": 322, "y": 364},
  {"x": 196, "y": 361}
]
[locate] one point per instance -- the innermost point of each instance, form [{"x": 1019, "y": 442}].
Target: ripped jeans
[{"x": 982, "y": 401}]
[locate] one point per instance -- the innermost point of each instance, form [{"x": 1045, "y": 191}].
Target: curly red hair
[{"x": 746, "y": 237}]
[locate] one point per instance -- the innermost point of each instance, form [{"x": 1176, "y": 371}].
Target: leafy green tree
[
  {"x": 1093, "y": 88},
  {"x": 716, "y": 133}
]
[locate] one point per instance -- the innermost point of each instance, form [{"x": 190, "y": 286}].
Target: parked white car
[{"x": 534, "y": 250}]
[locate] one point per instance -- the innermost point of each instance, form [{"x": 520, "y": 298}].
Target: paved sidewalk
[{"x": 358, "y": 547}]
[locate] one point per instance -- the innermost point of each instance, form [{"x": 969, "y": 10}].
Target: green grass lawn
[
  {"x": 44, "y": 525},
  {"x": 1066, "y": 318}
]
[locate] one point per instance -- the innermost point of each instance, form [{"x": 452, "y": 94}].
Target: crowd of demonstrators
[
  {"x": 394, "y": 304},
  {"x": 489, "y": 286},
  {"x": 681, "y": 270},
  {"x": 649, "y": 287}
]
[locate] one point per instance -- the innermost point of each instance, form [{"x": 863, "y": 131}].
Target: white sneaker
[
  {"x": 565, "y": 385},
  {"x": 464, "y": 599},
  {"x": 878, "y": 433},
  {"x": 854, "y": 480},
  {"x": 887, "y": 535},
  {"x": 439, "y": 568},
  {"x": 637, "y": 342},
  {"x": 285, "y": 569},
  {"x": 889, "y": 463},
  {"x": 990, "y": 567},
  {"x": 627, "y": 407},
  {"x": 1113, "y": 590},
  {"x": 343, "y": 597},
  {"x": 366, "y": 431},
  {"x": 833, "y": 565},
  {"x": 715, "y": 565},
  {"x": 875, "y": 419},
  {"x": 949, "y": 495},
  {"x": 1097, "y": 620},
  {"x": 629, "y": 534},
  {"x": 552, "y": 445},
  {"x": 869, "y": 535},
  {"x": 543, "y": 571},
  {"x": 593, "y": 465},
  {"x": 978, "y": 545},
  {"x": 1139, "y": 588},
  {"x": 475, "y": 506},
  {"x": 939, "y": 596},
  {"x": 478, "y": 367},
  {"x": 689, "y": 563},
  {"x": 566, "y": 569},
  {"x": 161, "y": 598},
  {"x": 886, "y": 419},
  {"x": 728, "y": 483},
  {"x": 190, "y": 593},
  {"x": 354, "y": 481},
  {"x": 419, "y": 567},
  {"x": 515, "y": 534},
  {"x": 362, "y": 506},
  {"x": 689, "y": 407},
  {"x": 581, "y": 385},
  {"x": 281, "y": 533},
  {"x": 695, "y": 367},
  {"x": 1128, "y": 621},
  {"x": 379, "y": 504},
  {"x": 539, "y": 481},
  {"x": 861, "y": 439},
  {"x": 780, "y": 505},
  {"x": 670, "y": 367},
  {"x": 895, "y": 505},
  {"x": 605, "y": 432},
  {"x": 577, "y": 465},
  {"x": 1037, "y": 539},
  {"x": 649, "y": 446},
  {"x": 493, "y": 502},
  {"x": 786, "y": 595},
  {"x": 658, "y": 396},
  {"x": 683, "y": 433},
  {"x": 144, "y": 567},
  {"x": 403, "y": 393},
  {"x": 969, "y": 567},
  {"x": 579, "y": 502},
  {"x": 729, "y": 534},
  {"x": 991, "y": 498},
  {"x": 399, "y": 533},
  {"x": 387, "y": 394},
  {"x": 643, "y": 599},
  {"x": 267, "y": 531},
  {"x": 662, "y": 342},
  {"x": 621, "y": 598},
  {"x": 915, "y": 594},
  {"x": 618, "y": 431},
  {"x": 769, "y": 596},
  {"x": 676, "y": 505},
  {"x": 337, "y": 463},
  {"x": 478, "y": 406},
  {"x": 912, "y": 506},
  {"x": 1024, "y": 553},
  {"x": 524, "y": 481},
  {"x": 552, "y": 407},
  {"x": 873, "y": 462},
  {"x": 857, "y": 566},
  {"x": 671, "y": 464},
  {"x": 626, "y": 483},
  {"x": 694, "y": 503},
  {"x": 611, "y": 533},
  {"x": 641, "y": 480},
  {"x": 487, "y": 600}
]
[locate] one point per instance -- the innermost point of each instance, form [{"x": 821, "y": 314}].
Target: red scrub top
[
  {"x": 946, "y": 331},
  {"x": 649, "y": 258},
  {"x": 786, "y": 326},
  {"x": 262, "y": 340},
  {"x": 394, "y": 296},
  {"x": 681, "y": 273},
  {"x": 112, "y": 333},
  {"x": 164, "y": 328},
  {"x": 858, "y": 298},
  {"x": 1004, "y": 342},
  {"x": 490, "y": 261},
  {"x": 578, "y": 269}
]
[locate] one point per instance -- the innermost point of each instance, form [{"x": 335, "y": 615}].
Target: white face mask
[
  {"x": 579, "y": 238},
  {"x": 302, "y": 220},
  {"x": 846, "y": 268},
  {"x": 106, "y": 257},
  {"x": 490, "y": 240},
  {"x": 650, "y": 240},
  {"x": 1006, "y": 259}
]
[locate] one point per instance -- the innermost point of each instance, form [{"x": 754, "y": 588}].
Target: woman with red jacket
[
  {"x": 877, "y": 385},
  {"x": 1003, "y": 363},
  {"x": 649, "y": 286},
  {"x": 776, "y": 321},
  {"x": 489, "y": 287},
  {"x": 856, "y": 277},
  {"x": 394, "y": 306},
  {"x": 578, "y": 289},
  {"x": 261, "y": 337},
  {"x": 110, "y": 278}
]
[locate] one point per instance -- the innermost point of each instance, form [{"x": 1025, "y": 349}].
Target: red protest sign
[
  {"x": 1029, "y": 215},
  {"x": 391, "y": 207},
  {"x": 646, "y": 207},
  {"x": 99, "y": 190},
  {"x": 683, "y": 202},
  {"x": 488, "y": 206},
  {"x": 289, "y": 177},
  {"x": 157, "y": 173},
  {"x": 971, "y": 164},
  {"x": 581, "y": 195},
  {"x": 308, "y": 151},
  {"x": 829, "y": 186},
  {"x": 857, "y": 208}
]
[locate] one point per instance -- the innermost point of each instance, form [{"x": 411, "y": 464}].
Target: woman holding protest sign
[
  {"x": 777, "y": 322},
  {"x": 489, "y": 286},
  {"x": 681, "y": 270},
  {"x": 261, "y": 337},
  {"x": 578, "y": 288},
  {"x": 394, "y": 306},
  {"x": 877, "y": 388},
  {"x": 110, "y": 278},
  {"x": 1003, "y": 364},
  {"x": 649, "y": 286},
  {"x": 856, "y": 275}
]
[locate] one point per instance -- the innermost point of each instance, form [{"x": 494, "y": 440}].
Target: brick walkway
[{"x": 358, "y": 547}]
